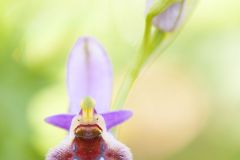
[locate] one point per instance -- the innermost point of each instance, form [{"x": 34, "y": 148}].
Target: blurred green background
[{"x": 186, "y": 104}]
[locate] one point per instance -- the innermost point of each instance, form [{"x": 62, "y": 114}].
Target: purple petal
[
  {"x": 114, "y": 118},
  {"x": 89, "y": 74},
  {"x": 61, "y": 120}
]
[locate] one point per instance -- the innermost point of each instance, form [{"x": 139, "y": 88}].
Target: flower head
[{"x": 89, "y": 80}]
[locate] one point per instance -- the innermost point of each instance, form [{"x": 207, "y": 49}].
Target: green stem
[{"x": 135, "y": 68}]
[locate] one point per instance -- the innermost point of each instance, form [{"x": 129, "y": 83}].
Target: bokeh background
[{"x": 186, "y": 104}]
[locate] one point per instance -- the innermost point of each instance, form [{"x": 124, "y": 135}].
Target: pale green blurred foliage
[{"x": 36, "y": 36}]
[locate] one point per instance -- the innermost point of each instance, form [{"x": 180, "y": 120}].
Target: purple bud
[{"x": 171, "y": 18}]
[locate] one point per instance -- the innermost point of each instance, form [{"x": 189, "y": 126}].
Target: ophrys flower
[{"x": 89, "y": 81}]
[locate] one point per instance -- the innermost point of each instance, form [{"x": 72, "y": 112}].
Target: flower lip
[{"x": 88, "y": 131}]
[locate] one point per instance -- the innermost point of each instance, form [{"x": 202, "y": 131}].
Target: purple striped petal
[
  {"x": 60, "y": 120},
  {"x": 89, "y": 74},
  {"x": 115, "y": 118}
]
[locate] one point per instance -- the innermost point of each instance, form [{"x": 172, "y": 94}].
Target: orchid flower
[{"x": 89, "y": 84}]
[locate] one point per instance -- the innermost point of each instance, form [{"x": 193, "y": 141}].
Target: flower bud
[{"x": 171, "y": 18}]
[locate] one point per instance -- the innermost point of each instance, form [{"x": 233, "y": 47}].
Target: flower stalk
[{"x": 149, "y": 43}]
